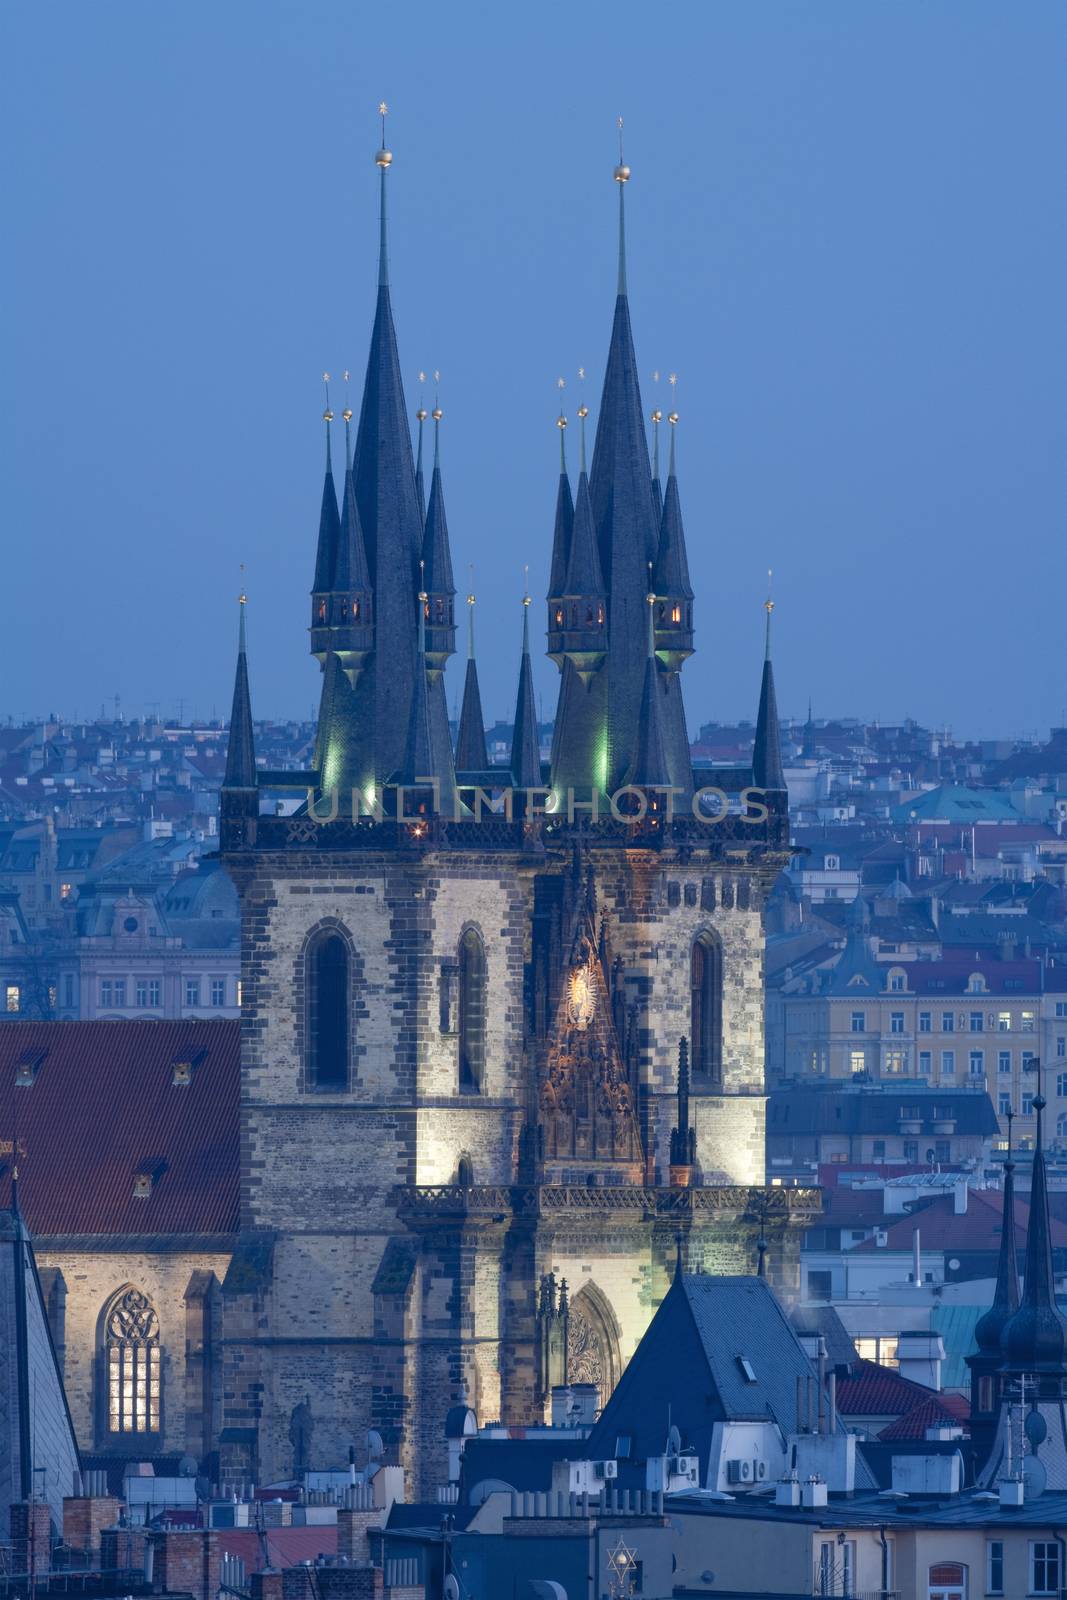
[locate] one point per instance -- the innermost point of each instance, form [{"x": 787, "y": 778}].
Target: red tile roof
[
  {"x": 977, "y": 1228},
  {"x": 285, "y": 1547},
  {"x": 935, "y": 1411},
  {"x": 103, "y": 1107},
  {"x": 875, "y": 1391}
]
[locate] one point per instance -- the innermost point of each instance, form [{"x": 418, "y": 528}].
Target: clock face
[{"x": 581, "y": 1002}]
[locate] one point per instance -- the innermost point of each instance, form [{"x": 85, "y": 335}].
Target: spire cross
[
  {"x": 347, "y": 415},
  {"x": 657, "y": 418},
  {"x": 561, "y": 423},
  {"x": 672, "y": 418},
  {"x": 583, "y": 412},
  {"x": 437, "y": 414},
  {"x": 768, "y": 606},
  {"x": 383, "y": 161},
  {"x": 470, "y": 615},
  {"x": 622, "y": 178},
  {"x": 526, "y": 610},
  {"x": 242, "y": 601}
]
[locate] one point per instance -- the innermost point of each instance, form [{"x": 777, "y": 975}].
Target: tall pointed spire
[
  {"x": 767, "y": 770},
  {"x": 241, "y": 750},
  {"x": 1034, "y": 1340},
  {"x": 471, "y": 753},
  {"x": 437, "y": 566},
  {"x": 418, "y": 750},
  {"x": 525, "y": 739},
  {"x": 683, "y": 1137},
  {"x": 561, "y": 533},
  {"x": 674, "y": 592},
  {"x": 649, "y": 770},
  {"x": 989, "y": 1327},
  {"x": 326, "y": 547},
  {"x": 384, "y": 160}
]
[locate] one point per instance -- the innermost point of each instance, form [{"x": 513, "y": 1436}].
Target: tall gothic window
[
  {"x": 471, "y": 1012},
  {"x": 132, "y": 1361},
  {"x": 327, "y": 1012},
  {"x": 705, "y": 1007}
]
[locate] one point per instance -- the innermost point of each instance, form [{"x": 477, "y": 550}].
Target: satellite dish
[
  {"x": 451, "y": 1587},
  {"x": 1035, "y": 1478},
  {"x": 674, "y": 1441},
  {"x": 375, "y": 1445},
  {"x": 1036, "y": 1428}
]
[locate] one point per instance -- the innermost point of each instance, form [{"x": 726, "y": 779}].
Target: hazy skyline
[{"x": 846, "y": 235}]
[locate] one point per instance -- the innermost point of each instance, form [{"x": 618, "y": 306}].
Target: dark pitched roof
[
  {"x": 584, "y": 573},
  {"x": 436, "y": 556},
  {"x": 78, "y": 1165},
  {"x": 471, "y": 754},
  {"x": 767, "y": 770},
  {"x": 1034, "y": 1339},
  {"x": 876, "y": 1109},
  {"x": 352, "y": 570},
  {"x": 671, "y": 574},
  {"x": 648, "y": 768},
  {"x": 561, "y": 537}
]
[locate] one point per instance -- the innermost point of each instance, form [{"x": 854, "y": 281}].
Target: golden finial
[
  {"x": 622, "y": 171},
  {"x": 672, "y": 416},
  {"x": 347, "y": 412},
  {"x": 436, "y": 413},
  {"x": 768, "y": 604},
  {"x": 383, "y": 157},
  {"x": 561, "y": 421},
  {"x": 327, "y": 415},
  {"x": 583, "y": 409},
  {"x": 422, "y": 413},
  {"x": 242, "y": 598},
  {"x": 651, "y": 595},
  {"x": 657, "y": 414},
  {"x": 526, "y": 586},
  {"x": 423, "y": 596}
]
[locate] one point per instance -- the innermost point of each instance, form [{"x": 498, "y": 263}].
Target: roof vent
[
  {"x": 146, "y": 1179},
  {"x": 28, "y": 1066},
  {"x": 183, "y": 1065}
]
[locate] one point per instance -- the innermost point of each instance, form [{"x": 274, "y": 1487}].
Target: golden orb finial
[
  {"x": 327, "y": 415},
  {"x": 383, "y": 157},
  {"x": 242, "y": 598}
]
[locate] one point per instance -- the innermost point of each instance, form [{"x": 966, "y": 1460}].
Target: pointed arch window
[
  {"x": 472, "y": 996},
  {"x": 132, "y": 1358},
  {"x": 327, "y": 1011},
  {"x": 705, "y": 1007}
]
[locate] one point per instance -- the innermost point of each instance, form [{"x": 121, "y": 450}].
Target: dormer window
[
  {"x": 832, "y": 863},
  {"x": 976, "y": 983},
  {"x": 746, "y": 1368},
  {"x": 27, "y": 1067}
]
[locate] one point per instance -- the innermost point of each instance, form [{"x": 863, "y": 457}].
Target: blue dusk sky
[{"x": 847, "y": 235}]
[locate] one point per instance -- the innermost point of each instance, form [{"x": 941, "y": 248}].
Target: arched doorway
[{"x": 593, "y": 1354}]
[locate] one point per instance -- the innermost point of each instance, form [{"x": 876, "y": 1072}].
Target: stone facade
[{"x": 404, "y": 1225}]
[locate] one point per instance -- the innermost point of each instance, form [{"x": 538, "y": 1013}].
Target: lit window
[
  {"x": 676, "y": 614},
  {"x": 1027, "y": 1022},
  {"x": 13, "y": 997},
  {"x": 65, "y": 891},
  {"x": 896, "y": 1062},
  {"x": 858, "y": 1060},
  {"x": 133, "y": 1364},
  {"x": 877, "y": 1347},
  {"x": 218, "y": 991},
  {"x": 1003, "y": 1021}
]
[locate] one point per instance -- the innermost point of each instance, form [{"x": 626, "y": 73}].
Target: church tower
[{"x": 462, "y": 1029}]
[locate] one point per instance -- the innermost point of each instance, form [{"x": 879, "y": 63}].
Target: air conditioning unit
[
  {"x": 761, "y": 1471},
  {"x": 739, "y": 1472},
  {"x": 605, "y": 1469}
]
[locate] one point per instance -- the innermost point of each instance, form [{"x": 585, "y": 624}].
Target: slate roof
[
  {"x": 957, "y": 803},
  {"x": 977, "y": 1228},
  {"x": 875, "y": 1109},
  {"x": 103, "y": 1108}
]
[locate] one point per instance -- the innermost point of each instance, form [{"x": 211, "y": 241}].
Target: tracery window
[
  {"x": 327, "y": 1011},
  {"x": 471, "y": 1012},
  {"x": 132, "y": 1356},
  {"x": 705, "y": 1006}
]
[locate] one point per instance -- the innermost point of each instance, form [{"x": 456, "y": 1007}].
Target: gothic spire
[
  {"x": 525, "y": 741},
  {"x": 767, "y": 770},
  {"x": 418, "y": 748},
  {"x": 561, "y": 533},
  {"x": 657, "y": 488},
  {"x": 329, "y": 522},
  {"x": 683, "y": 1137},
  {"x": 241, "y": 750},
  {"x": 649, "y": 770},
  {"x": 1034, "y": 1339},
  {"x": 674, "y": 592},
  {"x": 471, "y": 754},
  {"x": 989, "y": 1327},
  {"x": 437, "y": 563}
]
